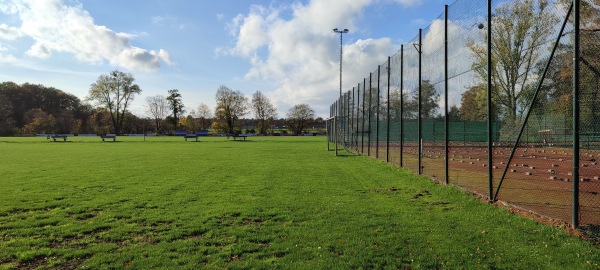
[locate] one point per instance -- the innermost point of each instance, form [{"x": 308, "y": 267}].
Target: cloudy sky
[{"x": 285, "y": 49}]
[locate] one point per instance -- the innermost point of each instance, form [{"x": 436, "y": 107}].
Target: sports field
[{"x": 269, "y": 202}]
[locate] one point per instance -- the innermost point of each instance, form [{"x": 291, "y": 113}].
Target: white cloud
[
  {"x": 168, "y": 20},
  {"x": 57, "y": 27},
  {"x": 139, "y": 59},
  {"x": 419, "y": 22},
  {"x": 8, "y": 8},
  {"x": 300, "y": 55},
  {"x": 8, "y": 32},
  {"x": 409, "y": 2},
  {"x": 39, "y": 50},
  {"x": 159, "y": 20}
]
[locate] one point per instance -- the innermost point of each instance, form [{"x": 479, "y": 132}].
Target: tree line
[{"x": 38, "y": 109}]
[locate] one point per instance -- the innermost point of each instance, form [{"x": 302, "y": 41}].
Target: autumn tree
[
  {"x": 558, "y": 90},
  {"x": 157, "y": 108},
  {"x": 100, "y": 121},
  {"x": 6, "y": 116},
  {"x": 231, "y": 107},
  {"x": 264, "y": 111},
  {"x": 299, "y": 117},
  {"x": 473, "y": 105},
  {"x": 188, "y": 122},
  {"x": 65, "y": 122},
  {"x": 176, "y": 105},
  {"x": 519, "y": 32},
  {"x": 39, "y": 122},
  {"x": 115, "y": 92}
]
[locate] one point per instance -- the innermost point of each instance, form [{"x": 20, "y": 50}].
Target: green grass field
[{"x": 269, "y": 202}]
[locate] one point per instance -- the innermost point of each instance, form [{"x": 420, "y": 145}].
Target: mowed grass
[{"x": 267, "y": 203}]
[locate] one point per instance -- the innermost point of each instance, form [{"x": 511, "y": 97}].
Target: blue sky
[{"x": 285, "y": 49}]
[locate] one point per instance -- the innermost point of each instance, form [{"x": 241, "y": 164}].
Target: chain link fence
[{"x": 519, "y": 122}]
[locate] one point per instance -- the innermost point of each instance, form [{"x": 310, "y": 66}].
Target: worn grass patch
[{"x": 268, "y": 202}]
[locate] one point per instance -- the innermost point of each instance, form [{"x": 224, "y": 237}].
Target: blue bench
[
  {"x": 190, "y": 136},
  {"x": 235, "y": 136},
  {"x": 109, "y": 136},
  {"x": 56, "y": 136},
  {"x": 202, "y": 133}
]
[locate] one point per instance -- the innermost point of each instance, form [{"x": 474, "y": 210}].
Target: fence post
[
  {"x": 387, "y": 144},
  {"x": 370, "y": 105},
  {"x": 378, "y": 112},
  {"x": 357, "y": 114},
  {"x": 420, "y": 128},
  {"x": 446, "y": 123},
  {"x": 352, "y": 118},
  {"x": 362, "y": 136},
  {"x": 335, "y": 135},
  {"x": 401, "y": 105},
  {"x": 327, "y": 124},
  {"x": 489, "y": 98},
  {"x": 347, "y": 126},
  {"x": 576, "y": 58}
]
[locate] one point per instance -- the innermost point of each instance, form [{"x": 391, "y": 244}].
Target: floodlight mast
[{"x": 341, "y": 32}]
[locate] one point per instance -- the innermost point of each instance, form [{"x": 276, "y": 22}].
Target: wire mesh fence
[{"x": 489, "y": 98}]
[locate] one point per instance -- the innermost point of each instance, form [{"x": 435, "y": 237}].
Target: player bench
[
  {"x": 54, "y": 137},
  {"x": 190, "y": 136},
  {"x": 109, "y": 136},
  {"x": 235, "y": 136}
]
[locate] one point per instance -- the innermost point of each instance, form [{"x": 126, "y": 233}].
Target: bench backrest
[{"x": 202, "y": 132}]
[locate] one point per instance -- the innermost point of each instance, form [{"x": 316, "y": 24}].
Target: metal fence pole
[
  {"x": 576, "y": 58},
  {"x": 370, "y": 105},
  {"x": 351, "y": 138},
  {"x": 489, "y": 98},
  {"x": 349, "y": 124},
  {"x": 401, "y": 105},
  {"x": 387, "y": 140},
  {"x": 378, "y": 112},
  {"x": 362, "y": 136},
  {"x": 446, "y": 123},
  {"x": 347, "y": 118},
  {"x": 327, "y": 124},
  {"x": 357, "y": 113},
  {"x": 335, "y": 136},
  {"x": 419, "y": 124}
]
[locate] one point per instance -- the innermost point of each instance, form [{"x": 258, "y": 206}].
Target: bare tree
[
  {"x": 158, "y": 108},
  {"x": 115, "y": 91},
  {"x": 231, "y": 106},
  {"x": 264, "y": 111},
  {"x": 299, "y": 117},
  {"x": 204, "y": 116}
]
